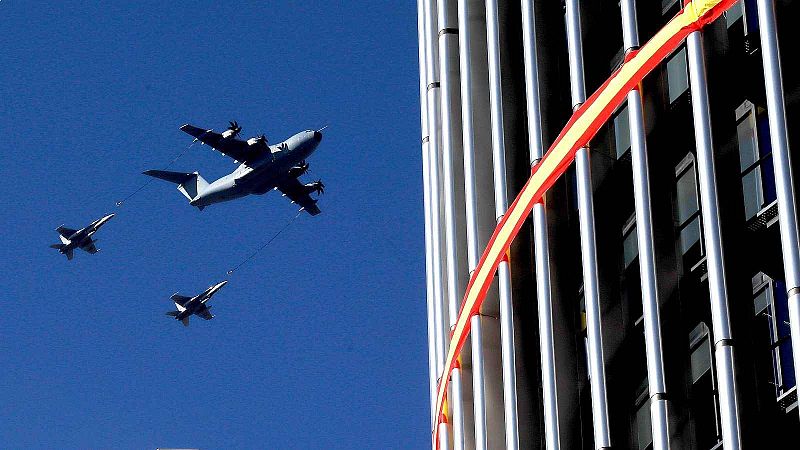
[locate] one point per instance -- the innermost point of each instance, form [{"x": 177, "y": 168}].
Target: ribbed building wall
[{"x": 765, "y": 405}]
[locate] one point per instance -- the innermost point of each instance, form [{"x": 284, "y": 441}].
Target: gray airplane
[
  {"x": 186, "y": 306},
  {"x": 82, "y": 239},
  {"x": 262, "y": 168}
]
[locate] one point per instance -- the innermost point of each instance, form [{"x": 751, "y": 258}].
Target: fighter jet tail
[
  {"x": 60, "y": 248},
  {"x": 190, "y": 184},
  {"x": 185, "y": 320}
]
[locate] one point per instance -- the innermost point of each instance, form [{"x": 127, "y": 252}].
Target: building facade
[{"x": 648, "y": 301}]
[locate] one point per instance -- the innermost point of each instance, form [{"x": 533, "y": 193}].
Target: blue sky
[{"x": 319, "y": 342}]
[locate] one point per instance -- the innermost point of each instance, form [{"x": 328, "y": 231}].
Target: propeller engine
[
  {"x": 316, "y": 186},
  {"x": 233, "y": 130},
  {"x": 299, "y": 169},
  {"x": 259, "y": 140}
]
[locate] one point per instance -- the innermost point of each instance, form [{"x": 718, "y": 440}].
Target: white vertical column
[
  {"x": 784, "y": 179},
  {"x": 541, "y": 248},
  {"x": 720, "y": 318},
  {"x": 644, "y": 231},
  {"x": 501, "y": 205},
  {"x": 471, "y": 199},
  {"x": 448, "y": 60},
  {"x": 602, "y": 438},
  {"x": 432, "y": 353},
  {"x": 434, "y": 130}
]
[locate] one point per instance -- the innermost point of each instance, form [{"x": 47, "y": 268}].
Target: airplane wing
[
  {"x": 180, "y": 299},
  {"x": 297, "y": 193},
  {"x": 90, "y": 248},
  {"x": 66, "y": 232},
  {"x": 235, "y": 148},
  {"x": 205, "y": 313}
]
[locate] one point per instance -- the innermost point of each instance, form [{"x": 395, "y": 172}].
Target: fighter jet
[
  {"x": 186, "y": 306},
  {"x": 82, "y": 239},
  {"x": 262, "y": 168}
]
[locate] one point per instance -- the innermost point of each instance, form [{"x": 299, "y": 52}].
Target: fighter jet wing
[
  {"x": 180, "y": 299},
  {"x": 66, "y": 232},
  {"x": 297, "y": 193},
  {"x": 235, "y": 148},
  {"x": 205, "y": 314},
  {"x": 90, "y": 248}
]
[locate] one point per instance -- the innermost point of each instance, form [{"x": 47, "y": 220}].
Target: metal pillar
[
  {"x": 432, "y": 353},
  {"x": 448, "y": 54},
  {"x": 784, "y": 179},
  {"x": 444, "y": 439},
  {"x": 723, "y": 345},
  {"x": 602, "y": 438},
  {"x": 501, "y": 205},
  {"x": 644, "y": 231},
  {"x": 471, "y": 200},
  {"x": 434, "y": 129},
  {"x": 541, "y": 248}
]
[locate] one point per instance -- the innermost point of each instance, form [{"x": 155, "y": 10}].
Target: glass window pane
[
  {"x": 666, "y": 3},
  {"x": 699, "y": 332},
  {"x": 643, "y": 431},
  {"x": 748, "y": 150},
  {"x": 677, "y": 76},
  {"x": 761, "y": 301},
  {"x": 701, "y": 360},
  {"x": 630, "y": 247},
  {"x": 690, "y": 235},
  {"x": 687, "y": 195},
  {"x": 752, "y": 192},
  {"x": 733, "y": 14},
  {"x": 622, "y": 134}
]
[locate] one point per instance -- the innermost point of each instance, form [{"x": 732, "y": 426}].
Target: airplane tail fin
[
  {"x": 60, "y": 248},
  {"x": 185, "y": 320},
  {"x": 190, "y": 184}
]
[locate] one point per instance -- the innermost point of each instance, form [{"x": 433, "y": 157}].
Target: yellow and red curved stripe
[{"x": 581, "y": 128}]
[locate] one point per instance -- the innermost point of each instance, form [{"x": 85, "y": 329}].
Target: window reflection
[
  {"x": 630, "y": 245},
  {"x": 622, "y": 134},
  {"x": 755, "y": 160},
  {"x": 733, "y": 14},
  {"x": 677, "y": 75},
  {"x": 772, "y": 333},
  {"x": 704, "y": 400},
  {"x": 644, "y": 433},
  {"x": 687, "y": 209}
]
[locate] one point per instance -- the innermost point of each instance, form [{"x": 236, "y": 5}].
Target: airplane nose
[{"x": 317, "y": 136}]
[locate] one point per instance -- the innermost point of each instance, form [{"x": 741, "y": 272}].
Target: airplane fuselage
[{"x": 263, "y": 174}]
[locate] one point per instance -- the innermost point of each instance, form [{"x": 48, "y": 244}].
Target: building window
[
  {"x": 688, "y": 210},
  {"x": 642, "y": 425},
  {"x": 670, "y": 7},
  {"x": 630, "y": 245},
  {"x": 755, "y": 159},
  {"x": 677, "y": 75},
  {"x": 704, "y": 401},
  {"x": 734, "y": 14},
  {"x": 771, "y": 313},
  {"x": 622, "y": 133}
]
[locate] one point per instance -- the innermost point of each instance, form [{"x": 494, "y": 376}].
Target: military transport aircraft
[
  {"x": 82, "y": 239},
  {"x": 186, "y": 306},
  {"x": 263, "y": 168}
]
